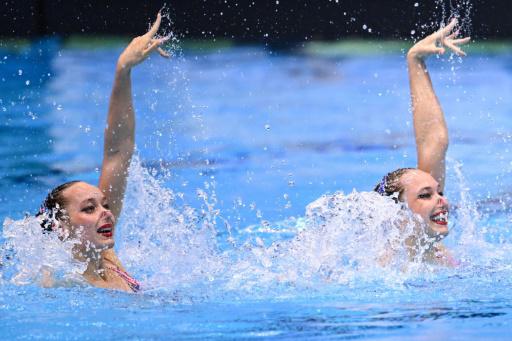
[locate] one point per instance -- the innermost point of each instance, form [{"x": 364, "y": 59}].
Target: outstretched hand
[
  {"x": 141, "y": 47},
  {"x": 437, "y": 42}
]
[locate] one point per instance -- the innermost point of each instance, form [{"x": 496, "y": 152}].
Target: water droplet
[
  {"x": 20, "y": 72},
  {"x": 267, "y": 126},
  {"x": 27, "y": 82},
  {"x": 416, "y": 4},
  {"x": 413, "y": 32}
]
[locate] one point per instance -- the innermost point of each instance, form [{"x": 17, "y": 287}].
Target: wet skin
[
  {"x": 89, "y": 217},
  {"x": 423, "y": 197}
]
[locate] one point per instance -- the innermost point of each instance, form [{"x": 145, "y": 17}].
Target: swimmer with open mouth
[
  {"x": 421, "y": 188},
  {"x": 88, "y": 213}
]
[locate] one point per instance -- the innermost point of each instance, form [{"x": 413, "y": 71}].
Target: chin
[
  {"x": 104, "y": 245},
  {"x": 109, "y": 244},
  {"x": 437, "y": 231}
]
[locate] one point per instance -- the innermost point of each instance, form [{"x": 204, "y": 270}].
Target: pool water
[{"x": 232, "y": 145}]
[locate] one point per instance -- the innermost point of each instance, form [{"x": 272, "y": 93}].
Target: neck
[
  {"x": 95, "y": 260},
  {"x": 424, "y": 247}
]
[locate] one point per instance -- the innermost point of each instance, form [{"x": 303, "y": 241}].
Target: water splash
[
  {"x": 471, "y": 245},
  {"x": 343, "y": 240},
  {"x": 30, "y": 256},
  {"x": 169, "y": 244},
  {"x": 352, "y": 240}
]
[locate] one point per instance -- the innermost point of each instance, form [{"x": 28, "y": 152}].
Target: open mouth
[
  {"x": 106, "y": 230},
  {"x": 440, "y": 218}
]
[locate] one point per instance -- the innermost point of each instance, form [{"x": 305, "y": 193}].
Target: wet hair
[
  {"x": 390, "y": 185},
  {"x": 52, "y": 208}
]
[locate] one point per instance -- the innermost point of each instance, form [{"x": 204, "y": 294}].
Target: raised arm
[
  {"x": 120, "y": 129},
  {"x": 429, "y": 124}
]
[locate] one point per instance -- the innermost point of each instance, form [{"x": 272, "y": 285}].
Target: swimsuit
[{"x": 132, "y": 282}]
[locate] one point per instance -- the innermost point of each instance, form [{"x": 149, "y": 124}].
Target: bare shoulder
[{"x": 445, "y": 257}]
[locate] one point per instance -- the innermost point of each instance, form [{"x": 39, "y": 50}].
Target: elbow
[
  {"x": 443, "y": 141},
  {"x": 437, "y": 141},
  {"x": 439, "y": 145}
]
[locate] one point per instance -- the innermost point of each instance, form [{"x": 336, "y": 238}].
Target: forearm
[
  {"x": 430, "y": 127},
  {"x": 429, "y": 122},
  {"x": 120, "y": 129}
]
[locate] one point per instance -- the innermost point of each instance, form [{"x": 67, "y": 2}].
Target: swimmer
[
  {"x": 88, "y": 213},
  {"x": 421, "y": 188}
]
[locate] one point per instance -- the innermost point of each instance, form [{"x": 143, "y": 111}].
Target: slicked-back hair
[
  {"x": 53, "y": 206},
  {"x": 390, "y": 185}
]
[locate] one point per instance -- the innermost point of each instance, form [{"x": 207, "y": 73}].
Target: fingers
[
  {"x": 452, "y": 44},
  {"x": 438, "y": 50},
  {"x": 163, "y": 53},
  {"x": 155, "y": 45},
  {"x": 452, "y": 35},
  {"x": 461, "y": 41},
  {"x": 152, "y": 47},
  {"x": 454, "y": 48},
  {"x": 446, "y": 37},
  {"x": 448, "y": 28},
  {"x": 152, "y": 31}
]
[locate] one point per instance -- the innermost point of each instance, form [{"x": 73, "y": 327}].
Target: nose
[
  {"x": 442, "y": 201},
  {"x": 106, "y": 213}
]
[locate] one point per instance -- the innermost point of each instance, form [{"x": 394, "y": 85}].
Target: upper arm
[
  {"x": 431, "y": 150},
  {"x": 114, "y": 172}
]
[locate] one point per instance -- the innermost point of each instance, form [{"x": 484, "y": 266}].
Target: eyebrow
[
  {"x": 93, "y": 200},
  {"x": 430, "y": 188}
]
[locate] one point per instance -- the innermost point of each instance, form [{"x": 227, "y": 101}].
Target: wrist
[
  {"x": 413, "y": 56},
  {"x": 122, "y": 69}
]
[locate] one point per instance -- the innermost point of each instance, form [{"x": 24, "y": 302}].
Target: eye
[
  {"x": 106, "y": 206},
  {"x": 88, "y": 209},
  {"x": 441, "y": 194},
  {"x": 425, "y": 196}
]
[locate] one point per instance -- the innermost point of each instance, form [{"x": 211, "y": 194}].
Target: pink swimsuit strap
[{"x": 132, "y": 282}]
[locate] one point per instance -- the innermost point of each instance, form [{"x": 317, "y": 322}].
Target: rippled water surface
[{"x": 233, "y": 144}]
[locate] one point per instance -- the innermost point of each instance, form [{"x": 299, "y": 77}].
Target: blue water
[{"x": 261, "y": 134}]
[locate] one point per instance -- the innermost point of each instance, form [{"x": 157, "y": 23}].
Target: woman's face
[
  {"x": 89, "y": 216},
  {"x": 423, "y": 196}
]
